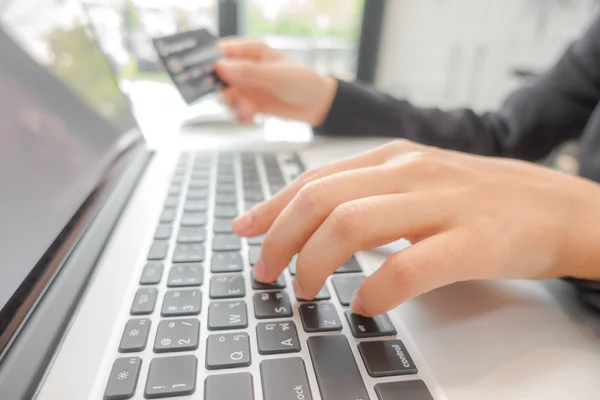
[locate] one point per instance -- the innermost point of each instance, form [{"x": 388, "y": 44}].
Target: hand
[
  {"x": 467, "y": 217},
  {"x": 263, "y": 80}
]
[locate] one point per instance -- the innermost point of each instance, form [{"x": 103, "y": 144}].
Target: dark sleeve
[{"x": 532, "y": 121}]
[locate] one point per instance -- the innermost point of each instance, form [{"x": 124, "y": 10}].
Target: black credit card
[{"x": 189, "y": 58}]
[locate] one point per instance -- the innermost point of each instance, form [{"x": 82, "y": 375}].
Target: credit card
[{"x": 189, "y": 58}]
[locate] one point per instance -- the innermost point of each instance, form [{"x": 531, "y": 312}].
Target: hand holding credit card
[{"x": 189, "y": 58}]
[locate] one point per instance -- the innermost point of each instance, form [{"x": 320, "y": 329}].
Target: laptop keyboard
[{"x": 209, "y": 323}]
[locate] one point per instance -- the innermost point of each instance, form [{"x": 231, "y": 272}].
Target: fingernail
[
  {"x": 356, "y": 305},
  {"x": 243, "y": 222},
  {"x": 298, "y": 289},
  {"x": 260, "y": 270}
]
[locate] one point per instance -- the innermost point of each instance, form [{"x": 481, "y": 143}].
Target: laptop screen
[{"x": 61, "y": 116}]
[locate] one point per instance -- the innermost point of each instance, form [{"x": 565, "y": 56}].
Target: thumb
[{"x": 246, "y": 73}]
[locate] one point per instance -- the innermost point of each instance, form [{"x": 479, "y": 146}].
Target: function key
[
  {"x": 228, "y": 350},
  {"x": 226, "y": 261},
  {"x": 168, "y": 215},
  {"x": 236, "y": 386},
  {"x": 144, "y": 301},
  {"x": 193, "y": 219},
  {"x": 363, "y": 327},
  {"x": 322, "y": 295},
  {"x": 163, "y": 232},
  {"x": 414, "y": 390},
  {"x": 278, "y": 284},
  {"x": 286, "y": 379},
  {"x": 186, "y": 275},
  {"x": 222, "y": 225},
  {"x": 188, "y": 253},
  {"x": 181, "y": 302},
  {"x": 158, "y": 250},
  {"x": 171, "y": 376},
  {"x": 177, "y": 335},
  {"x": 345, "y": 286},
  {"x": 135, "y": 335},
  {"x": 226, "y": 242},
  {"x": 319, "y": 317},
  {"x": 123, "y": 378},
  {"x": 386, "y": 358},
  {"x": 272, "y": 305},
  {"x": 351, "y": 265},
  {"x": 227, "y": 315},
  {"x": 277, "y": 337},
  {"x": 191, "y": 234},
  {"x": 227, "y": 286},
  {"x": 151, "y": 274}
]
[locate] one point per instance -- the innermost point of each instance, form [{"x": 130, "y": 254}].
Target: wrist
[{"x": 326, "y": 93}]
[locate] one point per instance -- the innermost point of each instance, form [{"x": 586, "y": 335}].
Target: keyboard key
[
  {"x": 319, "y": 317},
  {"x": 171, "y": 376},
  {"x": 237, "y": 386},
  {"x": 225, "y": 211},
  {"x": 174, "y": 190},
  {"x": 272, "y": 305},
  {"x": 172, "y": 202},
  {"x": 188, "y": 253},
  {"x": 226, "y": 242},
  {"x": 277, "y": 337},
  {"x": 386, "y": 358},
  {"x": 413, "y": 390},
  {"x": 186, "y": 275},
  {"x": 181, "y": 302},
  {"x": 335, "y": 368},
  {"x": 197, "y": 194},
  {"x": 226, "y": 261},
  {"x": 224, "y": 177},
  {"x": 227, "y": 315},
  {"x": 151, "y": 274},
  {"x": 225, "y": 188},
  {"x": 222, "y": 225},
  {"x": 226, "y": 199},
  {"x": 322, "y": 295},
  {"x": 345, "y": 286},
  {"x": 199, "y": 184},
  {"x": 144, "y": 301},
  {"x": 351, "y": 265},
  {"x": 163, "y": 232},
  {"x": 256, "y": 240},
  {"x": 123, "y": 378},
  {"x": 135, "y": 335},
  {"x": 158, "y": 250},
  {"x": 168, "y": 215},
  {"x": 253, "y": 254},
  {"x": 227, "y": 286},
  {"x": 250, "y": 204},
  {"x": 292, "y": 265},
  {"x": 363, "y": 327},
  {"x": 276, "y": 188},
  {"x": 193, "y": 219},
  {"x": 177, "y": 335},
  {"x": 228, "y": 350},
  {"x": 191, "y": 234},
  {"x": 286, "y": 379},
  {"x": 253, "y": 195},
  {"x": 195, "y": 205},
  {"x": 278, "y": 284}
]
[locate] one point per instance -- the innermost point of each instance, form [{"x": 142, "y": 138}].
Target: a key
[
  {"x": 163, "y": 232},
  {"x": 144, "y": 301},
  {"x": 168, "y": 215},
  {"x": 386, "y": 358},
  {"x": 228, "y": 350},
  {"x": 253, "y": 255},
  {"x": 277, "y": 337},
  {"x": 181, "y": 302},
  {"x": 222, "y": 225},
  {"x": 225, "y": 211},
  {"x": 256, "y": 240},
  {"x": 193, "y": 219},
  {"x": 253, "y": 195},
  {"x": 195, "y": 205},
  {"x": 186, "y": 275},
  {"x": 123, "y": 378},
  {"x": 135, "y": 335},
  {"x": 319, "y": 317},
  {"x": 349, "y": 266},
  {"x": 227, "y": 286},
  {"x": 184, "y": 253},
  {"x": 171, "y": 376},
  {"x": 191, "y": 234},
  {"x": 227, "y": 315},
  {"x": 172, "y": 202},
  {"x": 226, "y": 261},
  {"x": 413, "y": 390},
  {"x": 238, "y": 386},
  {"x": 226, "y": 242},
  {"x": 278, "y": 284},
  {"x": 158, "y": 250},
  {"x": 197, "y": 194},
  {"x": 335, "y": 368},
  {"x": 286, "y": 379},
  {"x": 345, "y": 286},
  {"x": 177, "y": 335},
  {"x": 226, "y": 199},
  {"x": 322, "y": 295},
  {"x": 363, "y": 327},
  {"x": 272, "y": 305},
  {"x": 151, "y": 274}
]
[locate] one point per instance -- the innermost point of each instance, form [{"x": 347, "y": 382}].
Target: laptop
[{"x": 121, "y": 278}]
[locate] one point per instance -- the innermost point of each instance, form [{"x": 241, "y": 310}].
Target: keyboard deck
[{"x": 200, "y": 327}]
